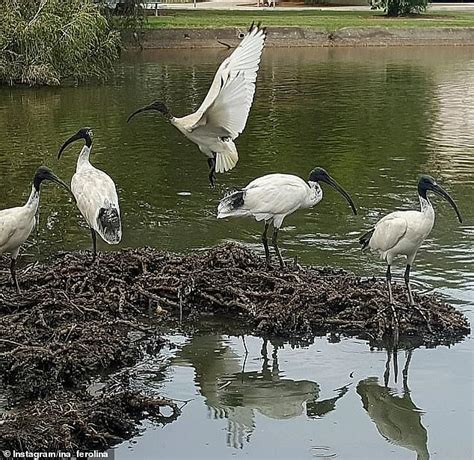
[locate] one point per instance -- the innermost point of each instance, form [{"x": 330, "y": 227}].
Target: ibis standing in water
[
  {"x": 275, "y": 196},
  {"x": 223, "y": 114},
  {"x": 17, "y": 223},
  {"x": 403, "y": 232},
  {"x": 95, "y": 194}
]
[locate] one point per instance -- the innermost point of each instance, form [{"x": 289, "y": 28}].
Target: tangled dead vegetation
[{"x": 76, "y": 320}]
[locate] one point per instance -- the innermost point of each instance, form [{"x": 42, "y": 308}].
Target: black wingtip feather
[{"x": 258, "y": 26}]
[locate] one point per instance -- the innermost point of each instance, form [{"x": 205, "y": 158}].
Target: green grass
[{"x": 329, "y": 20}]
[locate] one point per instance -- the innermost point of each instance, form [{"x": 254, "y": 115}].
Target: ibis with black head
[
  {"x": 223, "y": 114},
  {"x": 401, "y": 233},
  {"x": 16, "y": 224},
  {"x": 273, "y": 197},
  {"x": 95, "y": 194}
]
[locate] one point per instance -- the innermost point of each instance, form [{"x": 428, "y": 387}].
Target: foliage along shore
[{"x": 76, "y": 323}]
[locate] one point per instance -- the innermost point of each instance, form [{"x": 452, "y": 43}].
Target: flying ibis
[
  {"x": 95, "y": 194},
  {"x": 403, "y": 232},
  {"x": 223, "y": 114},
  {"x": 275, "y": 196},
  {"x": 17, "y": 223}
]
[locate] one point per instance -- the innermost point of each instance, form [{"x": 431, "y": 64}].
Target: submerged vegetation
[{"x": 44, "y": 42}]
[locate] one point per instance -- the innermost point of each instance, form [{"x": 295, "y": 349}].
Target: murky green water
[{"x": 375, "y": 119}]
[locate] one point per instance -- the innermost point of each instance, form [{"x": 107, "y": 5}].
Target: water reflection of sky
[{"x": 326, "y": 400}]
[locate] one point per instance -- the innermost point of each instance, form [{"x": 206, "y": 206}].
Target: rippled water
[{"x": 375, "y": 119}]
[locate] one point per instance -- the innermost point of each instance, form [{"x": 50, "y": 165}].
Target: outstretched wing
[
  {"x": 227, "y": 104},
  {"x": 388, "y": 232}
]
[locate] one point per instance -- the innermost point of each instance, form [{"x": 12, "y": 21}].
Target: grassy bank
[{"x": 331, "y": 20}]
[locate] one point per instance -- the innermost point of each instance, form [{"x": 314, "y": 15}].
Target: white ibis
[
  {"x": 17, "y": 223},
  {"x": 275, "y": 196},
  {"x": 403, "y": 232},
  {"x": 223, "y": 114},
  {"x": 95, "y": 194}
]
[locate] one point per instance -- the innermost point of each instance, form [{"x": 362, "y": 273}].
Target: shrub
[
  {"x": 394, "y": 8},
  {"x": 43, "y": 42}
]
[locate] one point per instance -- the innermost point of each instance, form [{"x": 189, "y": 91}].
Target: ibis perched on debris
[
  {"x": 223, "y": 114},
  {"x": 275, "y": 196},
  {"x": 17, "y": 223},
  {"x": 95, "y": 194},
  {"x": 403, "y": 232}
]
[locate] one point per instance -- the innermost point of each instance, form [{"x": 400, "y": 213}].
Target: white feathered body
[
  {"x": 16, "y": 224},
  {"x": 223, "y": 114},
  {"x": 97, "y": 199},
  {"x": 271, "y": 197},
  {"x": 402, "y": 232}
]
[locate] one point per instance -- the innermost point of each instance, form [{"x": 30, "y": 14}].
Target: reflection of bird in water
[
  {"x": 397, "y": 418},
  {"x": 237, "y": 395}
]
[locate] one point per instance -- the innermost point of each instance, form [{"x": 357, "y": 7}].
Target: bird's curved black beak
[
  {"x": 330, "y": 181},
  {"x": 44, "y": 173},
  {"x": 444, "y": 194},
  {"x": 72, "y": 139},
  {"x": 143, "y": 109}
]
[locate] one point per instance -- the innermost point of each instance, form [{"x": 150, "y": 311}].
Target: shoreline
[{"x": 286, "y": 37}]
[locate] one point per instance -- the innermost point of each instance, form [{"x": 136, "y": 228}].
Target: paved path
[{"x": 245, "y": 5}]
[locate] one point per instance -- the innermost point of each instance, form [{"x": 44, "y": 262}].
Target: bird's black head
[
  {"x": 321, "y": 175},
  {"x": 155, "y": 105},
  {"x": 83, "y": 133},
  {"x": 44, "y": 173},
  {"x": 318, "y": 175},
  {"x": 428, "y": 183},
  {"x": 425, "y": 183}
]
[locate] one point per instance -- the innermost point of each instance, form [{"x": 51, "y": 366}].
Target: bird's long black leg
[
  {"x": 13, "y": 273},
  {"x": 405, "y": 370},
  {"x": 394, "y": 313},
  {"x": 388, "y": 276},
  {"x": 275, "y": 245},
  {"x": 212, "y": 170},
  {"x": 386, "y": 375},
  {"x": 265, "y": 244},
  {"x": 411, "y": 301},
  {"x": 407, "y": 284},
  {"x": 94, "y": 244}
]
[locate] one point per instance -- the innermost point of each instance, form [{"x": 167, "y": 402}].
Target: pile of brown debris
[{"x": 76, "y": 320}]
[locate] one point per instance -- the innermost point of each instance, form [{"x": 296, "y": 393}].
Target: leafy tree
[
  {"x": 395, "y": 8},
  {"x": 43, "y": 42}
]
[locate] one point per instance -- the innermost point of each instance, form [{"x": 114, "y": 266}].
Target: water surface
[{"x": 375, "y": 119}]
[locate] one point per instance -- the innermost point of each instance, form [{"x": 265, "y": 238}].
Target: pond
[{"x": 375, "y": 119}]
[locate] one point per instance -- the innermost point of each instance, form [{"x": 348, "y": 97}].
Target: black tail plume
[
  {"x": 110, "y": 225},
  {"x": 237, "y": 199},
  {"x": 365, "y": 238}
]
